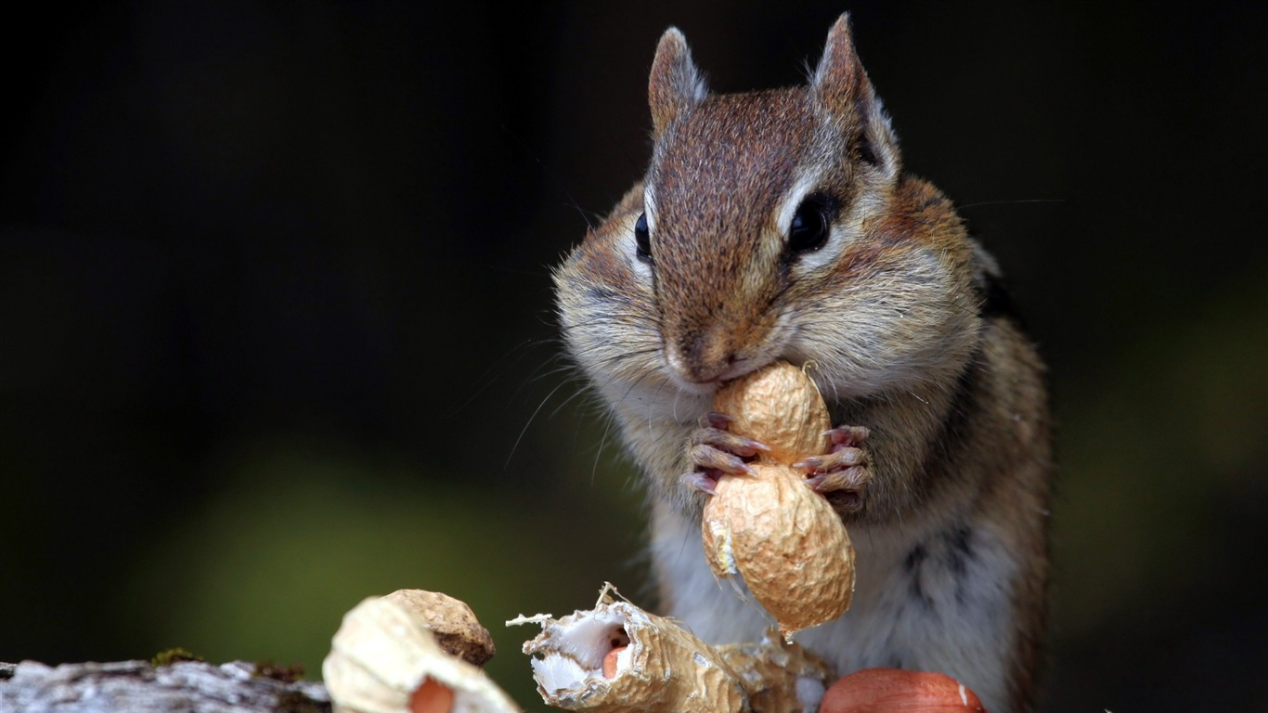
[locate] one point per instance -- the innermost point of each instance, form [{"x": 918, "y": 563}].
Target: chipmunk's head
[{"x": 770, "y": 225}]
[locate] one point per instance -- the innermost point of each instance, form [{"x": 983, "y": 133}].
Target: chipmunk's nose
[
  {"x": 700, "y": 359},
  {"x": 708, "y": 357}
]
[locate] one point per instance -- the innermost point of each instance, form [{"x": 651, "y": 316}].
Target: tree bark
[{"x": 137, "y": 686}]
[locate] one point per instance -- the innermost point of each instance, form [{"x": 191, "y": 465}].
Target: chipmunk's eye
[
  {"x": 811, "y": 224},
  {"x": 643, "y": 239}
]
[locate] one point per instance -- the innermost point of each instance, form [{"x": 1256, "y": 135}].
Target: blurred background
[{"x": 276, "y": 328}]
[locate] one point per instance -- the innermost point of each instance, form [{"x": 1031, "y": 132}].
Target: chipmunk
[{"x": 778, "y": 225}]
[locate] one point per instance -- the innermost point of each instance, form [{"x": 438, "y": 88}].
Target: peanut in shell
[
  {"x": 784, "y": 539},
  {"x": 780, "y": 406}
]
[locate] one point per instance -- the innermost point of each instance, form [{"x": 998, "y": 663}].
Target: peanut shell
[
  {"x": 618, "y": 658},
  {"x": 662, "y": 668},
  {"x": 384, "y": 659},
  {"x": 779, "y": 406},
  {"x": 779, "y": 677},
  {"x": 785, "y": 540},
  {"x": 451, "y": 622}
]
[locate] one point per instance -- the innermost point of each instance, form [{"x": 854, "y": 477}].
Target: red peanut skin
[
  {"x": 431, "y": 696},
  {"x": 891, "y": 690}
]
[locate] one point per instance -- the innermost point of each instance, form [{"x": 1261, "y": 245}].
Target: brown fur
[{"x": 894, "y": 313}]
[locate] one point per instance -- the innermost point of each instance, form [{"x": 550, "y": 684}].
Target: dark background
[{"x": 276, "y": 327}]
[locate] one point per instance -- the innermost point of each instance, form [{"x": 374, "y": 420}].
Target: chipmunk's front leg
[
  {"x": 842, "y": 474},
  {"x": 713, "y": 451}
]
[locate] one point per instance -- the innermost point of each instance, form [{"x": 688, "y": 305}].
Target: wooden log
[{"x": 139, "y": 687}]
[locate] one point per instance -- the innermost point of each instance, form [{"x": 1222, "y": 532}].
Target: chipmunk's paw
[
  {"x": 713, "y": 451},
  {"x": 842, "y": 474}
]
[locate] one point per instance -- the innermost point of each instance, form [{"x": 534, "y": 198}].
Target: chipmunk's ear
[
  {"x": 675, "y": 84},
  {"x": 842, "y": 90}
]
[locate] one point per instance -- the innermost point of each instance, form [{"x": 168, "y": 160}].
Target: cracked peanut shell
[
  {"x": 385, "y": 659},
  {"x": 618, "y": 658}
]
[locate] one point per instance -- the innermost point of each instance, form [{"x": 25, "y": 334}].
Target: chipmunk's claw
[
  {"x": 841, "y": 475},
  {"x": 714, "y": 452}
]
